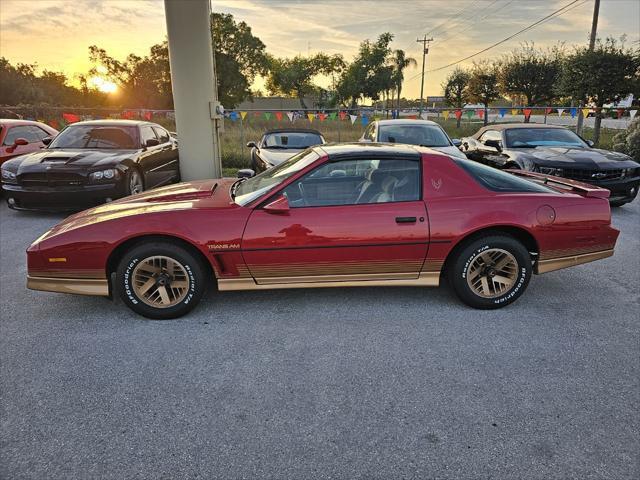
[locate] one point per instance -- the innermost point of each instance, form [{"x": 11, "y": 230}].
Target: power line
[
  {"x": 557, "y": 13},
  {"x": 457, "y": 12},
  {"x": 473, "y": 22}
]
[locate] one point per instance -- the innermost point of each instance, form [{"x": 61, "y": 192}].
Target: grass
[{"x": 236, "y": 134}]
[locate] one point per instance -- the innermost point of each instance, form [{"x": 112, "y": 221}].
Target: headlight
[
  {"x": 108, "y": 174},
  {"x": 550, "y": 171},
  {"x": 8, "y": 176}
]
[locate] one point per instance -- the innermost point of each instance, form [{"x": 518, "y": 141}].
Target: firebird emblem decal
[
  {"x": 436, "y": 183},
  {"x": 223, "y": 246}
]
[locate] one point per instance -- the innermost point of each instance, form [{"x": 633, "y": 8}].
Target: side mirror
[
  {"x": 497, "y": 144},
  {"x": 456, "y": 142},
  {"x": 246, "y": 173},
  {"x": 16, "y": 143},
  {"x": 152, "y": 142},
  {"x": 252, "y": 145},
  {"x": 279, "y": 206},
  {"x": 47, "y": 140},
  {"x": 590, "y": 143}
]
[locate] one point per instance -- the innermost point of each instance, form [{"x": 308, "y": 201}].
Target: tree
[
  {"x": 530, "y": 73},
  {"x": 603, "y": 75},
  {"x": 369, "y": 74},
  {"x": 294, "y": 76},
  {"x": 240, "y": 57},
  {"x": 399, "y": 62},
  {"x": 483, "y": 85},
  {"x": 455, "y": 89}
]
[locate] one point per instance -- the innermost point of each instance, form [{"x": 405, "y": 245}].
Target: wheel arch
[
  {"x": 118, "y": 252},
  {"x": 519, "y": 233}
]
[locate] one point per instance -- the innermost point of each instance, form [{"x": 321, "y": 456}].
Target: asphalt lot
[{"x": 343, "y": 383}]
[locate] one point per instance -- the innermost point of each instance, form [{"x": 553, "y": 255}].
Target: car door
[
  {"x": 168, "y": 168},
  {"x": 150, "y": 159},
  {"x": 20, "y": 131},
  {"x": 332, "y": 232}
]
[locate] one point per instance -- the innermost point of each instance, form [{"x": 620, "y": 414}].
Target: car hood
[
  {"x": 276, "y": 157},
  {"x": 212, "y": 194},
  {"x": 587, "y": 158},
  {"x": 450, "y": 150},
  {"x": 84, "y": 158}
]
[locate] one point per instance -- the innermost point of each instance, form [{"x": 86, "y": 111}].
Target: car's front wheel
[
  {"x": 160, "y": 280},
  {"x": 491, "y": 272}
]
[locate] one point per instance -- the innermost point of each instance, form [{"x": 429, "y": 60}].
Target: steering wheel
[{"x": 302, "y": 195}]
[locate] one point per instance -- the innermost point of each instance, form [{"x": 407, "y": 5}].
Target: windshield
[
  {"x": 542, "y": 137},
  {"x": 254, "y": 187},
  {"x": 93, "y": 136},
  {"x": 297, "y": 140},
  {"x": 425, "y": 135}
]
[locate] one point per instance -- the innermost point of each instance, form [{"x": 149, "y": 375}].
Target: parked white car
[{"x": 413, "y": 132}]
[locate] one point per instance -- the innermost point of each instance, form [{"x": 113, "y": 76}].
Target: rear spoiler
[{"x": 580, "y": 188}]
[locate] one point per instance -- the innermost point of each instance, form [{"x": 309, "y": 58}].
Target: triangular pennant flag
[
  {"x": 458, "y": 114},
  {"x": 332, "y": 115},
  {"x": 527, "y": 112},
  {"x": 469, "y": 113},
  {"x": 343, "y": 115},
  {"x": 54, "y": 124},
  {"x": 311, "y": 116},
  {"x": 147, "y": 115},
  {"x": 290, "y": 115},
  {"x": 70, "y": 117},
  {"x": 322, "y": 116},
  {"x": 279, "y": 116},
  {"x": 353, "y": 118},
  {"x": 233, "y": 116},
  {"x": 573, "y": 112},
  {"x": 365, "y": 120},
  {"x": 585, "y": 112},
  {"x": 560, "y": 111},
  {"x": 620, "y": 111},
  {"x": 267, "y": 115},
  {"x": 632, "y": 113},
  {"x": 243, "y": 114},
  {"x": 514, "y": 111},
  {"x": 548, "y": 110},
  {"x": 480, "y": 113},
  {"x": 445, "y": 114},
  {"x": 257, "y": 114},
  {"x": 502, "y": 112}
]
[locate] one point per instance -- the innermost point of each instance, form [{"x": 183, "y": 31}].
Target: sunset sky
[{"x": 56, "y": 34}]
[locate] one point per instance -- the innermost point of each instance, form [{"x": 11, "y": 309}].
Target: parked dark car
[
  {"x": 557, "y": 151},
  {"x": 18, "y": 137},
  {"x": 276, "y": 146},
  {"x": 90, "y": 163}
]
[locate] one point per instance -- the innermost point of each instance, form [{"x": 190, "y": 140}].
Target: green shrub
[{"x": 628, "y": 141}]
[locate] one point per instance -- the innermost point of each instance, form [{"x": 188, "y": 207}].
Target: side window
[
  {"x": 353, "y": 182},
  {"x": 146, "y": 133},
  {"x": 20, "y": 132},
  {"x": 38, "y": 132},
  {"x": 491, "y": 135},
  {"x": 163, "y": 135}
]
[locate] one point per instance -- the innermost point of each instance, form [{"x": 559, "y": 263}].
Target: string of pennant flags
[{"x": 362, "y": 116}]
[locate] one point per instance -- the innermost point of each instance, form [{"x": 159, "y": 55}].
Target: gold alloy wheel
[
  {"x": 492, "y": 273},
  {"x": 160, "y": 281}
]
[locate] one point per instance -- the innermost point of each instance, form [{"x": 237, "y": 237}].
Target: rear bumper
[
  {"x": 58, "y": 198},
  {"x": 551, "y": 264},
  {"x": 79, "y": 286}
]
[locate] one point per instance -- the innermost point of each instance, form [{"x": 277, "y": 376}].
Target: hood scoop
[{"x": 184, "y": 194}]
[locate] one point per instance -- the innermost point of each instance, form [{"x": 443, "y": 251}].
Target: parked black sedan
[
  {"x": 90, "y": 163},
  {"x": 556, "y": 151},
  {"x": 276, "y": 146}
]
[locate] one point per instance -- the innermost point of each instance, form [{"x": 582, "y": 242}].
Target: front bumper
[
  {"x": 78, "y": 286},
  {"x": 60, "y": 198}
]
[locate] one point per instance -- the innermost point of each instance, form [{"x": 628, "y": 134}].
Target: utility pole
[
  {"x": 592, "y": 44},
  {"x": 425, "y": 50}
]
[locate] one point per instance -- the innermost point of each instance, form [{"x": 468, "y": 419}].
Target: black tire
[
  {"x": 132, "y": 174},
  {"x": 189, "y": 272},
  {"x": 471, "y": 256}
]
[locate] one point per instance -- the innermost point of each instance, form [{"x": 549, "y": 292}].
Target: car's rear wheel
[
  {"x": 160, "y": 280},
  {"x": 490, "y": 272}
]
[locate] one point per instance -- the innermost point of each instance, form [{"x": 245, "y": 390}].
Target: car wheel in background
[
  {"x": 491, "y": 272},
  {"x": 134, "y": 182},
  {"x": 160, "y": 280}
]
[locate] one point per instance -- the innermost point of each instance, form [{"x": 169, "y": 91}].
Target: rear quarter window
[{"x": 499, "y": 181}]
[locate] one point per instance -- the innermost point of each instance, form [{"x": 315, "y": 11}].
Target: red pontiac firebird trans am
[{"x": 331, "y": 216}]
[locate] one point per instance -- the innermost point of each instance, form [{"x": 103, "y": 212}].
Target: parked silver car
[{"x": 414, "y": 132}]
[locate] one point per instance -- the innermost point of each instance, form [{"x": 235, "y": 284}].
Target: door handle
[{"x": 405, "y": 219}]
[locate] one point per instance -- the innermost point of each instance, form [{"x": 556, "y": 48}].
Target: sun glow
[{"x": 102, "y": 84}]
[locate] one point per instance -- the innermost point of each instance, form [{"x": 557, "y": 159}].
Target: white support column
[{"x": 194, "y": 87}]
